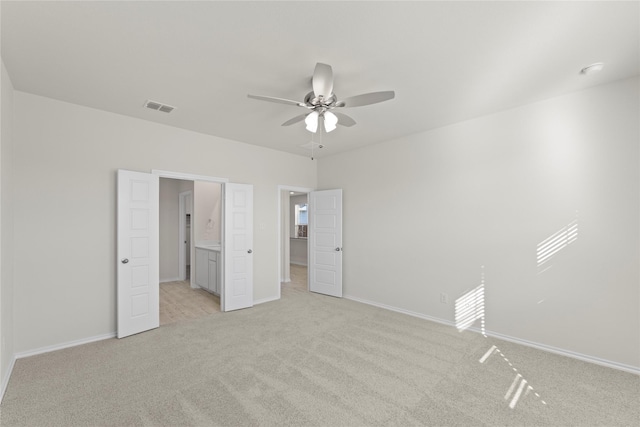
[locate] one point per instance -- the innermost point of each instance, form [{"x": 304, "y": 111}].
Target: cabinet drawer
[{"x": 213, "y": 255}]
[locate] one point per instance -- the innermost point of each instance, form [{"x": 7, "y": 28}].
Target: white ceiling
[{"x": 447, "y": 61}]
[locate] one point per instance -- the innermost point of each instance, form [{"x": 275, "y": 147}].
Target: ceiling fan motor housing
[{"x": 319, "y": 103}]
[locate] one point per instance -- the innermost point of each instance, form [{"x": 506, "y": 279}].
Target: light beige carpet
[
  {"x": 312, "y": 360},
  {"x": 179, "y": 301}
]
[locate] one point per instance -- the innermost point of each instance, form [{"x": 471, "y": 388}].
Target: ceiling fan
[{"x": 321, "y": 101}]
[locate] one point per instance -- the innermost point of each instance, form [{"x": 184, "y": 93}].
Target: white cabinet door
[
  {"x": 138, "y": 253},
  {"x": 237, "y": 290},
  {"x": 202, "y": 268},
  {"x": 325, "y": 242},
  {"x": 213, "y": 276}
]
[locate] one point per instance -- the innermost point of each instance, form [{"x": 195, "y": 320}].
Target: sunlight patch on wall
[
  {"x": 470, "y": 307},
  {"x": 553, "y": 244}
]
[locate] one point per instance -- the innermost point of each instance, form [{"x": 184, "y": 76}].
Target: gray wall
[
  {"x": 170, "y": 190},
  {"x": 6, "y": 228},
  {"x": 426, "y": 214},
  {"x": 168, "y": 229}
]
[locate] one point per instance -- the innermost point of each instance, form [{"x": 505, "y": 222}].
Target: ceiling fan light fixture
[
  {"x": 330, "y": 121},
  {"x": 322, "y": 99},
  {"x": 312, "y": 121}
]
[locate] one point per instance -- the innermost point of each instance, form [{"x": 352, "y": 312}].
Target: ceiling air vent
[{"x": 158, "y": 106}]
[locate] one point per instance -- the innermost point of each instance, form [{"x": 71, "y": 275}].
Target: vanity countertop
[{"x": 209, "y": 247}]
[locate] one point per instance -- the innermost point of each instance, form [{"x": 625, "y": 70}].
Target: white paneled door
[
  {"x": 138, "y": 253},
  {"x": 238, "y": 247},
  {"x": 325, "y": 242}
]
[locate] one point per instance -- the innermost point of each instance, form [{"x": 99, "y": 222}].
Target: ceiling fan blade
[
  {"x": 278, "y": 100},
  {"x": 344, "y": 120},
  {"x": 322, "y": 80},
  {"x": 366, "y": 99},
  {"x": 296, "y": 119}
]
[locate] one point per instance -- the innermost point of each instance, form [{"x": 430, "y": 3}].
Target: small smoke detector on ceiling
[
  {"x": 593, "y": 68},
  {"x": 158, "y": 106}
]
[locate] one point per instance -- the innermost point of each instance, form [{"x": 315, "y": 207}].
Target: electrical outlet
[{"x": 444, "y": 298}]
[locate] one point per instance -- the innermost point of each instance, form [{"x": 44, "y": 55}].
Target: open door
[
  {"x": 138, "y": 253},
  {"x": 325, "y": 242},
  {"x": 237, "y": 292}
]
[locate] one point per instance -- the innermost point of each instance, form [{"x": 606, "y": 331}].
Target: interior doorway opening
[
  {"x": 190, "y": 217},
  {"x": 293, "y": 236},
  {"x": 323, "y": 243},
  {"x": 185, "y": 208},
  {"x": 138, "y": 248},
  {"x": 298, "y": 240}
]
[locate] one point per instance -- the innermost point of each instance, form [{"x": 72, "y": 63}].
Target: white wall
[
  {"x": 186, "y": 186},
  {"x": 207, "y": 217},
  {"x": 65, "y": 161},
  {"x": 6, "y": 228},
  {"x": 422, "y": 214}
]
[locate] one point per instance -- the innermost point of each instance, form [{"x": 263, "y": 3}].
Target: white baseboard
[
  {"x": 401, "y": 310},
  {"x": 302, "y": 263},
  {"x": 67, "y": 344},
  {"x": 47, "y": 349},
  {"x": 543, "y": 347},
  {"x": 5, "y": 381},
  {"x": 175, "y": 279},
  {"x": 263, "y": 300},
  {"x": 567, "y": 353}
]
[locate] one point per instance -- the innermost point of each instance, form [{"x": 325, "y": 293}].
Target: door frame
[
  {"x": 281, "y": 241},
  {"x": 194, "y": 177},
  {"x": 182, "y": 224}
]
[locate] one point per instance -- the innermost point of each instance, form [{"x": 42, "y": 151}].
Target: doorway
[
  {"x": 323, "y": 243},
  {"x": 293, "y": 238},
  {"x": 185, "y": 210},
  {"x": 138, "y": 248},
  {"x": 298, "y": 242}
]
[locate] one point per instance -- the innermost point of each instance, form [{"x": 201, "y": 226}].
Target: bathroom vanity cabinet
[{"x": 207, "y": 268}]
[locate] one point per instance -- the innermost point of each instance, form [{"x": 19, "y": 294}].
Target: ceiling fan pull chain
[{"x": 312, "y": 144}]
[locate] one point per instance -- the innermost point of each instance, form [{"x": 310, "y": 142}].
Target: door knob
[
  {"x": 249, "y": 251},
  {"x": 124, "y": 260}
]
